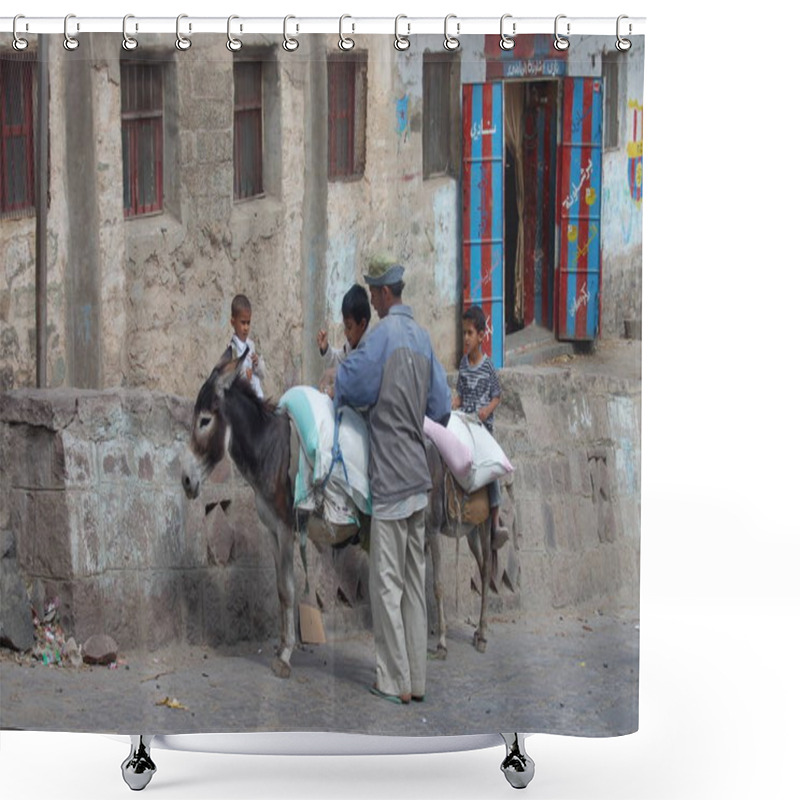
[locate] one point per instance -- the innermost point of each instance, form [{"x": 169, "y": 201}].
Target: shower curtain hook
[
  {"x": 233, "y": 44},
  {"x": 623, "y": 44},
  {"x": 290, "y": 44},
  {"x": 18, "y": 43},
  {"x": 401, "y": 42},
  {"x": 451, "y": 42},
  {"x": 70, "y": 42},
  {"x": 128, "y": 42},
  {"x": 560, "y": 42},
  {"x": 181, "y": 41},
  {"x": 507, "y": 42},
  {"x": 345, "y": 42}
]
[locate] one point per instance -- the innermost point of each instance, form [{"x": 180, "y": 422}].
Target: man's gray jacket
[{"x": 395, "y": 373}]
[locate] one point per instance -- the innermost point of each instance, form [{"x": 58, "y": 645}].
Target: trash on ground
[{"x": 172, "y": 702}]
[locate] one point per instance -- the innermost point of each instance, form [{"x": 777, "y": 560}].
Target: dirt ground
[{"x": 561, "y": 675}]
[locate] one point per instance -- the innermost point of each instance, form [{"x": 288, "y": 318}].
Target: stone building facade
[{"x": 141, "y": 300}]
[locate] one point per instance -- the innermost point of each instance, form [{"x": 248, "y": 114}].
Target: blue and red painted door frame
[
  {"x": 579, "y": 270},
  {"x": 483, "y": 228}
]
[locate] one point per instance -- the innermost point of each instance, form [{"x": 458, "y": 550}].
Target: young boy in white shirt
[{"x": 241, "y": 314}]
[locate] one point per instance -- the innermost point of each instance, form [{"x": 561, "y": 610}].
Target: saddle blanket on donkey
[{"x": 333, "y": 464}]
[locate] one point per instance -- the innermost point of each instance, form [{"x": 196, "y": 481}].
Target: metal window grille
[
  {"x": 142, "y": 137},
  {"x": 17, "y": 153},
  {"x": 347, "y": 116},
  {"x": 437, "y": 120},
  {"x": 248, "y": 178}
]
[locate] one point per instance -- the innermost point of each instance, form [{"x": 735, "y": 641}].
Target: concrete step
[{"x": 533, "y": 355}]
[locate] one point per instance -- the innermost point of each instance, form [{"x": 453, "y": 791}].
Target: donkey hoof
[
  {"x": 479, "y": 642},
  {"x": 281, "y": 668}
]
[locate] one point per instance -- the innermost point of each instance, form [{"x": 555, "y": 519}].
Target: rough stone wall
[
  {"x": 92, "y": 497},
  {"x": 99, "y": 519}
]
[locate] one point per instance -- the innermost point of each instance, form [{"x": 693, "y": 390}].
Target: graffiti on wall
[
  {"x": 635, "y": 150},
  {"x": 401, "y": 112}
]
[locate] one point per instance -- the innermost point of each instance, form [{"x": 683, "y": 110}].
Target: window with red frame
[
  {"x": 347, "y": 116},
  {"x": 142, "y": 137},
  {"x": 248, "y": 180},
  {"x": 16, "y": 136}
]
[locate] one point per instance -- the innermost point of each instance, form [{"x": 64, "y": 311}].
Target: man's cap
[{"x": 383, "y": 270}]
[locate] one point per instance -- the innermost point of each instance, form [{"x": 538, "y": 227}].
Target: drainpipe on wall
[{"x": 42, "y": 191}]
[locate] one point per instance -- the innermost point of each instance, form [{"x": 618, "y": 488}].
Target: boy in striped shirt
[{"x": 478, "y": 392}]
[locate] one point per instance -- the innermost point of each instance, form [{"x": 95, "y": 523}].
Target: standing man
[{"x": 395, "y": 373}]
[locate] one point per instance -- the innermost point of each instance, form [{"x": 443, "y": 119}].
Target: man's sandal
[{"x": 403, "y": 699}]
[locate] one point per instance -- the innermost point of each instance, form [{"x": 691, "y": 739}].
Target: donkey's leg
[
  {"x": 284, "y": 567},
  {"x": 438, "y": 593},
  {"x": 484, "y": 538}
]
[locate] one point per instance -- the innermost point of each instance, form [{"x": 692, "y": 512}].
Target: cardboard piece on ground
[{"x": 312, "y": 631}]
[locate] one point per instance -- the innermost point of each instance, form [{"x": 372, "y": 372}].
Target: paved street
[{"x": 564, "y": 675}]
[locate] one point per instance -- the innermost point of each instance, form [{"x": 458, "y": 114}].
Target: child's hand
[
  {"x": 322, "y": 342},
  {"x": 483, "y": 413},
  {"x": 254, "y": 360}
]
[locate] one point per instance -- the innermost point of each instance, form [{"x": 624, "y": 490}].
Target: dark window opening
[
  {"x": 248, "y": 161},
  {"x": 347, "y": 116},
  {"x": 17, "y": 96},
  {"x": 142, "y": 104}
]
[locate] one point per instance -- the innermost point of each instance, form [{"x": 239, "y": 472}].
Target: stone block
[
  {"x": 114, "y": 461},
  {"x": 252, "y": 542},
  {"x": 16, "y": 622},
  {"x": 559, "y": 470},
  {"x": 193, "y": 543},
  {"x": 245, "y": 604},
  {"x": 219, "y": 536},
  {"x": 89, "y": 534},
  {"x": 580, "y": 478},
  {"x": 35, "y": 458},
  {"x": 222, "y": 473},
  {"x": 162, "y": 529},
  {"x": 82, "y": 605},
  {"x": 46, "y": 408},
  {"x": 125, "y": 522},
  {"x": 191, "y": 598},
  {"x": 22, "y": 523},
  {"x": 79, "y": 460},
  {"x": 145, "y": 470},
  {"x": 100, "y": 415},
  {"x": 586, "y": 522},
  {"x": 567, "y": 535},
  {"x": 162, "y": 608},
  {"x": 53, "y": 535},
  {"x": 213, "y": 147},
  {"x": 214, "y": 618},
  {"x": 100, "y": 649}
]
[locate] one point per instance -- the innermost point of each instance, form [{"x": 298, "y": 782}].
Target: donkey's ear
[
  {"x": 225, "y": 359},
  {"x": 228, "y": 369}
]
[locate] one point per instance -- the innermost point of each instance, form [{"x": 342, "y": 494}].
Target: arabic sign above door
[{"x": 533, "y": 56}]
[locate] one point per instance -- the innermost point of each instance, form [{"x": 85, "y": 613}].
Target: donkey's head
[{"x": 209, "y": 436}]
